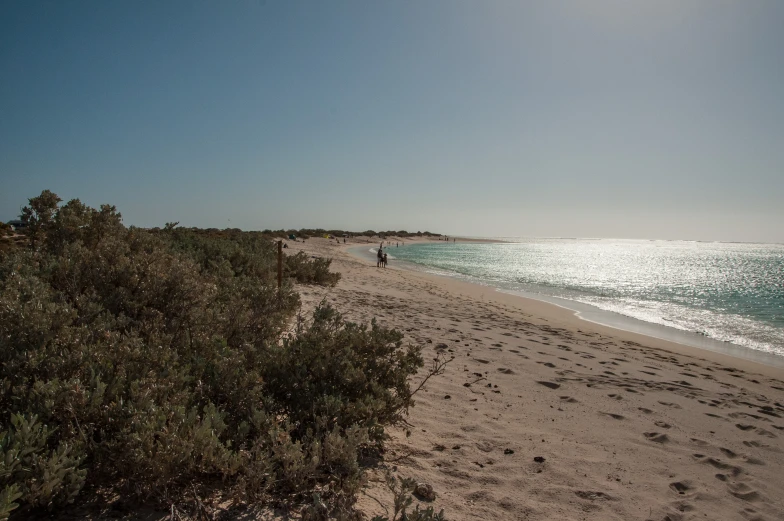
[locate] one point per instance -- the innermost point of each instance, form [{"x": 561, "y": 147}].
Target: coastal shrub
[
  {"x": 150, "y": 362},
  {"x": 341, "y": 374},
  {"x": 30, "y": 471},
  {"x": 7, "y": 241},
  {"x": 310, "y": 271},
  {"x": 320, "y": 232},
  {"x": 402, "y": 490}
]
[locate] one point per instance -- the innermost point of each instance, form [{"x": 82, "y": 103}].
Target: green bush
[
  {"x": 310, "y": 271},
  {"x": 340, "y": 374},
  {"x": 28, "y": 470},
  {"x": 402, "y": 490},
  {"x": 148, "y": 362}
]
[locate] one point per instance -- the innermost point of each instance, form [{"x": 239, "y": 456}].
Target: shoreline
[
  {"x": 543, "y": 415},
  {"x": 620, "y": 322},
  {"x": 684, "y": 340}
]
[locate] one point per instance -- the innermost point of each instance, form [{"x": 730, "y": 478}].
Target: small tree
[{"x": 39, "y": 215}]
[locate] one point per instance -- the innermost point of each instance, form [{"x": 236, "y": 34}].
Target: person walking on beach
[
  {"x": 379, "y": 256},
  {"x": 385, "y": 260}
]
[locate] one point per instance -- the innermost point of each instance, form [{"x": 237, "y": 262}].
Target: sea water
[{"x": 728, "y": 292}]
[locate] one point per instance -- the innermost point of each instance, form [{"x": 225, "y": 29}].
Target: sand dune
[{"x": 544, "y": 416}]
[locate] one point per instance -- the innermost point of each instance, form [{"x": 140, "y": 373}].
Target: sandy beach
[{"x": 542, "y": 415}]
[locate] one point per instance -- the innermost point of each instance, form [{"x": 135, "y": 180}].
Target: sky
[{"x": 593, "y": 118}]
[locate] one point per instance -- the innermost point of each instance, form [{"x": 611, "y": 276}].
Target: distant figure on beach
[
  {"x": 385, "y": 260},
  {"x": 379, "y": 257}
]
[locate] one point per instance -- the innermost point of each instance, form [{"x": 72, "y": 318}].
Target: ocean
[{"x": 727, "y": 292}]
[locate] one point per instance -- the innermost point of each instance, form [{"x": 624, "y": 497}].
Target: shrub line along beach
[
  {"x": 156, "y": 368},
  {"x": 163, "y": 367},
  {"x": 543, "y": 415}
]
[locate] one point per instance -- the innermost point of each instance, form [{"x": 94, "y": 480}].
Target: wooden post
[{"x": 280, "y": 266}]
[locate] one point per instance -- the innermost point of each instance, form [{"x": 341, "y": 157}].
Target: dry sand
[{"x": 628, "y": 426}]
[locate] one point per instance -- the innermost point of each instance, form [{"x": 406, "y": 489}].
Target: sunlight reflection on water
[{"x": 728, "y": 291}]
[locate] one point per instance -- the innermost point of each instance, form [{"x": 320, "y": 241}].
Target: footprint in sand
[
  {"x": 646, "y": 411},
  {"x": 481, "y": 360},
  {"x": 734, "y": 470},
  {"x": 744, "y": 492},
  {"x": 593, "y": 496},
  {"x": 615, "y": 396},
  {"x": 656, "y": 437},
  {"x": 568, "y": 399},
  {"x": 505, "y": 370},
  {"x": 613, "y": 416},
  {"x": 769, "y": 411},
  {"x": 767, "y": 434},
  {"x": 728, "y": 452},
  {"x": 663, "y": 425},
  {"x": 551, "y": 385},
  {"x": 682, "y": 487},
  {"x": 670, "y": 404}
]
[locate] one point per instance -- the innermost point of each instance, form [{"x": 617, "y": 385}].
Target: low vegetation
[
  {"x": 9, "y": 239},
  {"x": 145, "y": 363},
  {"x": 320, "y": 232}
]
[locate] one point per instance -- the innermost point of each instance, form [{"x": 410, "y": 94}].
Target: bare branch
[{"x": 439, "y": 363}]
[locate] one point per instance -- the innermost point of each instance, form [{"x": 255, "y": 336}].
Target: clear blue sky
[{"x": 601, "y": 118}]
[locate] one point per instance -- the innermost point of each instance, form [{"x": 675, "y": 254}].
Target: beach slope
[{"x": 542, "y": 415}]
